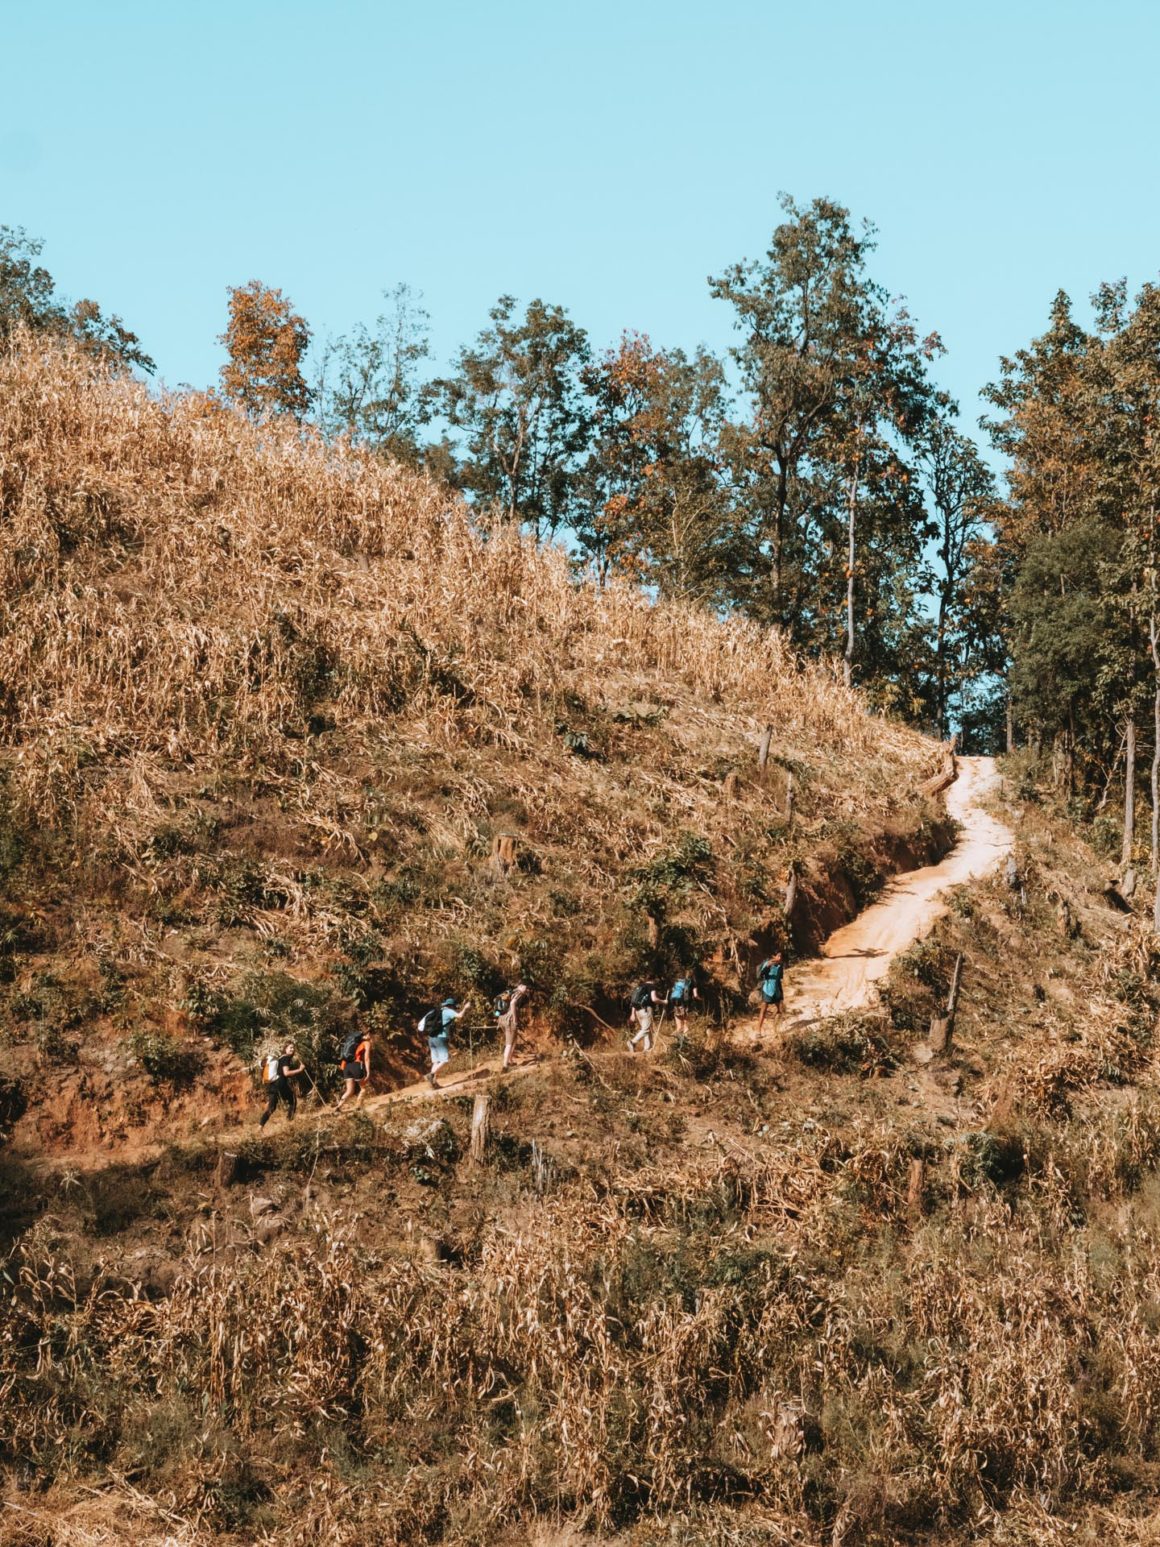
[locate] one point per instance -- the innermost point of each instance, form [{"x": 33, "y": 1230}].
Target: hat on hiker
[{"x": 450, "y": 1002}]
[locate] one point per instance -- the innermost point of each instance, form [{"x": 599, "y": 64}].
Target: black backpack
[
  {"x": 432, "y": 1023},
  {"x": 349, "y": 1047},
  {"x": 501, "y": 1004},
  {"x": 642, "y": 996}
]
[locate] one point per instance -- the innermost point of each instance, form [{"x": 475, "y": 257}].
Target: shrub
[{"x": 165, "y": 1059}]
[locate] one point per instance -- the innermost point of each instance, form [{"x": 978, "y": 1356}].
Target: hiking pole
[{"x": 315, "y": 1089}]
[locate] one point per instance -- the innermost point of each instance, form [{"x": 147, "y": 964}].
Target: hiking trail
[{"x": 855, "y": 956}]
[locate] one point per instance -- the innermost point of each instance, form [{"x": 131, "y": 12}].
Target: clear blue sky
[{"x": 607, "y": 155}]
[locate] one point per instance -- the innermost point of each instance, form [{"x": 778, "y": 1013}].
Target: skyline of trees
[{"x": 815, "y": 477}]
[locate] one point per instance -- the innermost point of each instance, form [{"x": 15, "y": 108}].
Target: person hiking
[
  {"x": 769, "y": 981},
  {"x": 355, "y": 1062},
  {"x": 278, "y": 1070},
  {"x": 507, "y": 1015},
  {"x": 681, "y": 996},
  {"x": 435, "y": 1026},
  {"x": 640, "y": 1015}
]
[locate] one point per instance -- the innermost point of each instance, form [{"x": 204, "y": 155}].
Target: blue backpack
[{"x": 679, "y": 992}]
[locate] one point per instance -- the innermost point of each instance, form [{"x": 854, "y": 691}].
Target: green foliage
[
  {"x": 29, "y": 299},
  {"x": 274, "y": 1007},
  {"x": 166, "y": 1060},
  {"x": 844, "y": 1044}
]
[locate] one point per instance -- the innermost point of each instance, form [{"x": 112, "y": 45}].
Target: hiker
[
  {"x": 640, "y": 1015},
  {"x": 681, "y": 996},
  {"x": 355, "y": 1061},
  {"x": 769, "y": 981},
  {"x": 435, "y": 1026},
  {"x": 508, "y": 1018},
  {"x": 279, "y": 1070}
]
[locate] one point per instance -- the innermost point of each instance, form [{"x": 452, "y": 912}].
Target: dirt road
[{"x": 862, "y": 951}]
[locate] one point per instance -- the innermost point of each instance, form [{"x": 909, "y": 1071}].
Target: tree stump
[
  {"x": 480, "y": 1127},
  {"x": 790, "y": 792},
  {"x": 503, "y": 853},
  {"x": 914, "y": 1186},
  {"x": 732, "y": 785},
  {"x": 226, "y": 1171}
]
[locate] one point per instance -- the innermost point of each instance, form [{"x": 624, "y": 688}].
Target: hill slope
[{"x": 268, "y": 710}]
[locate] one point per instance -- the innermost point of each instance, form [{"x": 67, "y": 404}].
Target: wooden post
[
  {"x": 914, "y": 1186},
  {"x": 480, "y": 1127},
  {"x": 763, "y": 746},
  {"x": 789, "y": 799},
  {"x": 732, "y": 784},
  {"x": 503, "y": 853},
  {"x": 226, "y": 1172},
  {"x": 942, "y": 1027}
]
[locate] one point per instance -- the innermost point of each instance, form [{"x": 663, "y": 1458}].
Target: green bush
[{"x": 165, "y": 1059}]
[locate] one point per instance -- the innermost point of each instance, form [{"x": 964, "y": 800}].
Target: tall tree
[
  {"x": 798, "y": 312},
  {"x": 29, "y": 299},
  {"x": 266, "y": 341},
  {"x": 516, "y": 397},
  {"x": 961, "y": 490},
  {"x": 369, "y": 383},
  {"x": 656, "y": 493}
]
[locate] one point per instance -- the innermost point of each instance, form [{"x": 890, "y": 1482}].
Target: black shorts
[{"x": 354, "y": 1071}]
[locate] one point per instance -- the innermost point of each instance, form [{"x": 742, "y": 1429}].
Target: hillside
[{"x": 267, "y": 708}]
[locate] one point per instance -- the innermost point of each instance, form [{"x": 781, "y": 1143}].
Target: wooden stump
[
  {"x": 503, "y": 853},
  {"x": 763, "y": 746},
  {"x": 732, "y": 785},
  {"x": 480, "y": 1127},
  {"x": 914, "y": 1186},
  {"x": 226, "y": 1172},
  {"x": 789, "y": 800}
]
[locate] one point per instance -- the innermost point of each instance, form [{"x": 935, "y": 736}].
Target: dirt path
[{"x": 856, "y": 955}]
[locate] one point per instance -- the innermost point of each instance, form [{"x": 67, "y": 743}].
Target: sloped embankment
[{"x": 289, "y": 737}]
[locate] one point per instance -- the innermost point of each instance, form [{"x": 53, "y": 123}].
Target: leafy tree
[
  {"x": 657, "y": 502},
  {"x": 29, "y": 299},
  {"x": 266, "y": 342},
  {"x": 370, "y": 388},
  {"x": 798, "y": 313},
  {"x": 961, "y": 491},
  {"x": 516, "y": 397}
]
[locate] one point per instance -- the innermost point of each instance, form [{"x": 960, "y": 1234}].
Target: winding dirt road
[{"x": 856, "y": 955}]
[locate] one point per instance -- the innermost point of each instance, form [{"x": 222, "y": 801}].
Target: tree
[
  {"x": 656, "y": 495},
  {"x": 961, "y": 491},
  {"x": 29, "y": 299},
  {"x": 798, "y": 312},
  {"x": 369, "y": 385},
  {"x": 516, "y": 396},
  {"x": 266, "y": 342}
]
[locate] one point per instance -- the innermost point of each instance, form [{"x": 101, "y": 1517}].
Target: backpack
[
  {"x": 432, "y": 1023},
  {"x": 349, "y": 1047},
  {"x": 680, "y": 991},
  {"x": 501, "y": 1004},
  {"x": 642, "y": 996},
  {"x": 270, "y": 1066}
]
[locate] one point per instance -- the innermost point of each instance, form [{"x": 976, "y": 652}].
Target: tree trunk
[
  {"x": 1010, "y": 727},
  {"x": 503, "y": 853},
  {"x": 1129, "y": 792},
  {"x": 848, "y": 660}
]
